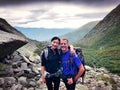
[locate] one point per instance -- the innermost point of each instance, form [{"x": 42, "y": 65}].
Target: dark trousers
[
  {"x": 71, "y": 86},
  {"x": 53, "y": 83}
]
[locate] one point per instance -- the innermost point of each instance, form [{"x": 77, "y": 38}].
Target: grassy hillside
[
  {"x": 101, "y": 46},
  {"x": 105, "y": 51},
  {"x": 104, "y": 40},
  {"x": 109, "y": 58}
]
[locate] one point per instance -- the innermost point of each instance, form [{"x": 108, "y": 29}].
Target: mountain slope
[
  {"x": 78, "y": 34},
  {"x": 106, "y": 33},
  {"x": 102, "y": 43}
]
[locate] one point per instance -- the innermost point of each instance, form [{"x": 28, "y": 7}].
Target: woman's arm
[{"x": 42, "y": 72}]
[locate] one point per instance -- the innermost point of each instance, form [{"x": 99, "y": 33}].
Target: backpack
[{"x": 78, "y": 51}]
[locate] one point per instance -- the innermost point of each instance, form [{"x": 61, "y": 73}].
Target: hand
[
  {"x": 40, "y": 81},
  {"x": 70, "y": 81},
  {"x": 72, "y": 51}
]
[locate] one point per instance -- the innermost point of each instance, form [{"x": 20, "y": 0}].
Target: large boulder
[
  {"x": 9, "y": 43},
  {"x": 10, "y": 39}
]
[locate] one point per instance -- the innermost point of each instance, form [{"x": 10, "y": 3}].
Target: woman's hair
[{"x": 55, "y": 38}]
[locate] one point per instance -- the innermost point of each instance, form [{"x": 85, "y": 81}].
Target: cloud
[
  {"x": 87, "y": 2},
  {"x": 53, "y": 15},
  {"x": 17, "y": 2}
]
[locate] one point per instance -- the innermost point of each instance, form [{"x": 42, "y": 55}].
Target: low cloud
[{"x": 53, "y": 15}]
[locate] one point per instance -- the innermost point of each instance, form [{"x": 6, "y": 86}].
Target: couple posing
[{"x": 57, "y": 59}]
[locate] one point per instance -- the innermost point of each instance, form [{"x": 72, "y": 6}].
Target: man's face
[{"x": 64, "y": 45}]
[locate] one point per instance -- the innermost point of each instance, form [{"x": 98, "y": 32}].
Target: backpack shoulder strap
[
  {"x": 45, "y": 52},
  {"x": 73, "y": 65}
]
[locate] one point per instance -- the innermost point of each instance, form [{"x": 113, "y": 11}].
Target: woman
[{"x": 51, "y": 65}]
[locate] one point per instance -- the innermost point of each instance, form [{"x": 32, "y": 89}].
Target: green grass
[
  {"x": 103, "y": 50},
  {"x": 3, "y": 67},
  {"x": 109, "y": 58},
  {"x": 40, "y": 46}
]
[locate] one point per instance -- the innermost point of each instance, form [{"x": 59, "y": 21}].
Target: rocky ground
[
  {"x": 99, "y": 79},
  {"x": 20, "y": 72}
]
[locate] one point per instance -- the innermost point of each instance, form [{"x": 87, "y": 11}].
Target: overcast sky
[{"x": 54, "y": 13}]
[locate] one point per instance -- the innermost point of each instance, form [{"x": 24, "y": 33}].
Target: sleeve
[
  {"x": 76, "y": 60},
  {"x": 43, "y": 60},
  {"x": 59, "y": 57}
]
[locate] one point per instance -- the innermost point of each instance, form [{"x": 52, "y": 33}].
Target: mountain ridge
[
  {"x": 79, "y": 33},
  {"x": 102, "y": 44},
  {"x": 109, "y": 24},
  {"x": 43, "y": 34}
]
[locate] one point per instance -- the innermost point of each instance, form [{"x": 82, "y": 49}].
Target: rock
[
  {"x": 10, "y": 39},
  {"x": 17, "y": 87},
  {"x": 1, "y": 81},
  {"x": 102, "y": 70},
  {"x": 9, "y": 81},
  {"x": 27, "y": 60},
  {"x": 32, "y": 83},
  {"x": 9, "y": 43},
  {"x": 81, "y": 87},
  {"x": 28, "y": 49},
  {"x": 6, "y": 27},
  {"x": 5, "y": 70},
  {"x": 16, "y": 56},
  {"x": 22, "y": 80},
  {"x": 1, "y": 88},
  {"x": 34, "y": 58},
  {"x": 88, "y": 68}
]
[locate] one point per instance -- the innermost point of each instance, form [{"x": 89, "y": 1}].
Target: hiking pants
[
  {"x": 71, "y": 86},
  {"x": 53, "y": 83}
]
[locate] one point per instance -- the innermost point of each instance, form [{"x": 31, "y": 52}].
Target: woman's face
[{"x": 55, "y": 44}]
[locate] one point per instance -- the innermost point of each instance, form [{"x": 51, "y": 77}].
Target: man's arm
[{"x": 81, "y": 70}]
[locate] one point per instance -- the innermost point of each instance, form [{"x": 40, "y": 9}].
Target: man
[{"x": 70, "y": 74}]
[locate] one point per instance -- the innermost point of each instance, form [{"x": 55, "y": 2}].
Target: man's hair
[
  {"x": 55, "y": 38},
  {"x": 64, "y": 39}
]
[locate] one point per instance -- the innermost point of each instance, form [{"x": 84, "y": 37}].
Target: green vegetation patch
[
  {"x": 108, "y": 58},
  {"x": 3, "y": 67}
]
